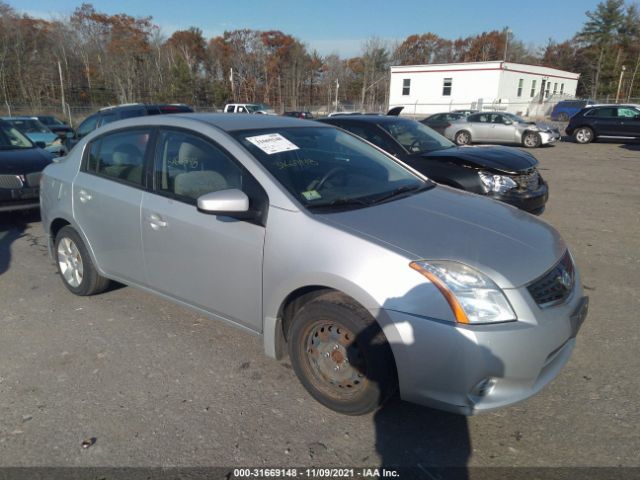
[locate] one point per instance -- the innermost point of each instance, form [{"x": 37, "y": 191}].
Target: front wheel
[
  {"x": 75, "y": 266},
  {"x": 531, "y": 140},
  {"x": 341, "y": 355},
  {"x": 463, "y": 138},
  {"x": 583, "y": 135}
]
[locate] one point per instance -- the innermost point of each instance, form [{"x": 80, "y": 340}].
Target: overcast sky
[{"x": 341, "y": 26}]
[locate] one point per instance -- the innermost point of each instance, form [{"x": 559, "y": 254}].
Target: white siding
[{"x": 490, "y": 85}]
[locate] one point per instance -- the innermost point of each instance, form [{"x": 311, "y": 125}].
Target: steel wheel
[
  {"x": 70, "y": 262},
  {"x": 334, "y": 360},
  {"x": 584, "y": 135}
]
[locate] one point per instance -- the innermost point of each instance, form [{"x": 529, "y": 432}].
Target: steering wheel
[
  {"x": 414, "y": 144},
  {"x": 323, "y": 180}
]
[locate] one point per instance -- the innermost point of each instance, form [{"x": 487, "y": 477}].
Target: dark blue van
[{"x": 566, "y": 109}]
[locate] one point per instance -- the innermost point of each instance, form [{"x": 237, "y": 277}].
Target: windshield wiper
[
  {"x": 341, "y": 202},
  {"x": 400, "y": 191}
]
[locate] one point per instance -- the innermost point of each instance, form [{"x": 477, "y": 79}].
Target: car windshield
[
  {"x": 416, "y": 137},
  {"x": 50, "y": 121},
  {"x": 29, "y": 125},
  {"x": 11, "y": 138},
  {"x": 328, "y": 168}
]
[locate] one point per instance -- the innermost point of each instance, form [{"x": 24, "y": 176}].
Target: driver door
[
  {"x": 500, "y": 131},
  {"x": 211, "y": 262}
]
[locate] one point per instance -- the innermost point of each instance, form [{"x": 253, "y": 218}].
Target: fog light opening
[{"x": 484, "y": 387}]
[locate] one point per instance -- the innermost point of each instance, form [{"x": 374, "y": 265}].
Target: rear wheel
[
  {"x": 75, "y": 266},
  {"x": 583, "y": 135},
  {"x": 463, "y": 138},
  {"x": 341, "y": 355},
  {"x": 531, "y": 140}
]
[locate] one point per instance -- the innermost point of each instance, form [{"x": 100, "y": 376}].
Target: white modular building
[{"x": 513, "y": 87}]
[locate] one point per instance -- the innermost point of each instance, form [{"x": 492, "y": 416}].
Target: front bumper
[
  {"x": 471, "y": 369},
  {"x": 14, "y": 199},
  {"x": 532, "y": 201},
  {"x": 550, "y": 137}
]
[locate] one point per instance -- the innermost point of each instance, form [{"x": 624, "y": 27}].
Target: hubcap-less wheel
[
  {"x": 70, "y": 262},
  {"x": 336, "y": 363},
  {"x": 463, "y": 138},
  {"x": 583, "y": 135}
]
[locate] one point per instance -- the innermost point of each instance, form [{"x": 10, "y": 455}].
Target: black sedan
[
  {"x": 440, "y": 121},
  {"x": 503, "y": 173},
  {"x": 21, "y": 165}
]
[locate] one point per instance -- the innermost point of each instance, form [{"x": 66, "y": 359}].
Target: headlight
[
  {"x": 473, "y": 297},
  {"x": 497, "y": 183}
]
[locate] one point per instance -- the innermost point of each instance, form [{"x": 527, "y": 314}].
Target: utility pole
[
  {"x": 337, "y": 88},
  {"x": 620, "y": 82},
  {"x": 506, "y": 42},
  {"x": 233, "y": 93},
  {"x": 62, "y": 89}
]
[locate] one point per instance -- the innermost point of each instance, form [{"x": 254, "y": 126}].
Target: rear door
[
  {"x": 629, "y": 118},
  {"x": 107, "y": 194},
  {"x": 211, "y": 262}
]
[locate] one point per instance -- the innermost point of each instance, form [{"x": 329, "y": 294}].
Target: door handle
[
  {"x": 84, "y": 196},
  {"x": 156, "y": 222}
]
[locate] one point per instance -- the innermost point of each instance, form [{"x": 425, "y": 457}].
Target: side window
[
  {"x": 626, "y": 112},
  {"x": 406, "y": 86},
  {"x": 447, "y": 85},
  {"x": 108, "y": 118},
  {"x": 131, "y": 113},
  {"x": 88, "y": 126},
  {"x": 242, "y": 110},
  {"x": 607, "y": 112},
  {"x": 119, "y": 156},
  {"x": 187, "y": 166},
  {"x": 229, "y": 109}
]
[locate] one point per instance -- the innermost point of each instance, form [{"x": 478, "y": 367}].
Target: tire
[
  {"x": 462, "y": 138},
  {"x": 75, "y": 266},
  {"x": 563, "y": 117},
  {"x": 531, "y": 140},
  {"x": 341, "y": 355},
  {"x": 583, "y": 135}
]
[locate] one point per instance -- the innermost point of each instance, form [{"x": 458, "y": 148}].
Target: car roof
[
  {"x": 20, "y": 117},
  {"x": 223, "y": 121},
  {"x": 374, "y": 119}
]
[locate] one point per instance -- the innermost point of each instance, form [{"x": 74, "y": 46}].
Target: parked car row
[{"x": 370, "y": 276}]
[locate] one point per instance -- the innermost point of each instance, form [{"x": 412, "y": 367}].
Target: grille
[
  {"x": 10, "y": 181},
  {"x": 33, "y": 179},
  {"x": 554, "y": 286},
  {"x": 529, "y": 180}
]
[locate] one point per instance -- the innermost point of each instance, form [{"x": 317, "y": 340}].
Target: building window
[
  {"x": 406, "y": 86},
  {"x": 561, "y": 88},
  {"x": 555, "y": 88},
  {"x": 446, "y": 87},
  {"x": 533, "y": 88},
  {"x": 547, "y": 88},
  {"x": 520, "y": 85}
]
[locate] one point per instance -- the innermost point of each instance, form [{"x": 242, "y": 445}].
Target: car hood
[
  {"x": 503, "y": 159},
  {"x": 510, "y": 246},
  {"x": 23, "y": 161}
]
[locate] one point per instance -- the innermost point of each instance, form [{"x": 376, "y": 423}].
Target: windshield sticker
[
  {"x": 300, "y": 162},
  {"x": 311, "y": 195},
  {"x": 272, "y": 143}
]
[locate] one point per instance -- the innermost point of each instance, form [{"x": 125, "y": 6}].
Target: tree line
[{"x": 92, "y": 59}]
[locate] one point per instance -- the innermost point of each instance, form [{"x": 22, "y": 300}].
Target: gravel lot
[{"x": 158, "y": 385}]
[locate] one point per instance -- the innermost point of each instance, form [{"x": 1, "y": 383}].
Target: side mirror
[
  {"x": 40, "y": 144},
  {"x": 231, "y": 202}
]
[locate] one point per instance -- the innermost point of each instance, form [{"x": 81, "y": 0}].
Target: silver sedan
[
  {"x": 368, "y": 275},
  {"x": 501, "y": 127}
]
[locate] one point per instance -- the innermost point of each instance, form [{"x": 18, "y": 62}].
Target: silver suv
[{"x": 371, "y": 277}]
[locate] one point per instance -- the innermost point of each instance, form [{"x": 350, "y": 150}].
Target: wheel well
[
  {"x": 57, "y": 225},
  {"x": 295, "y": 301}
]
